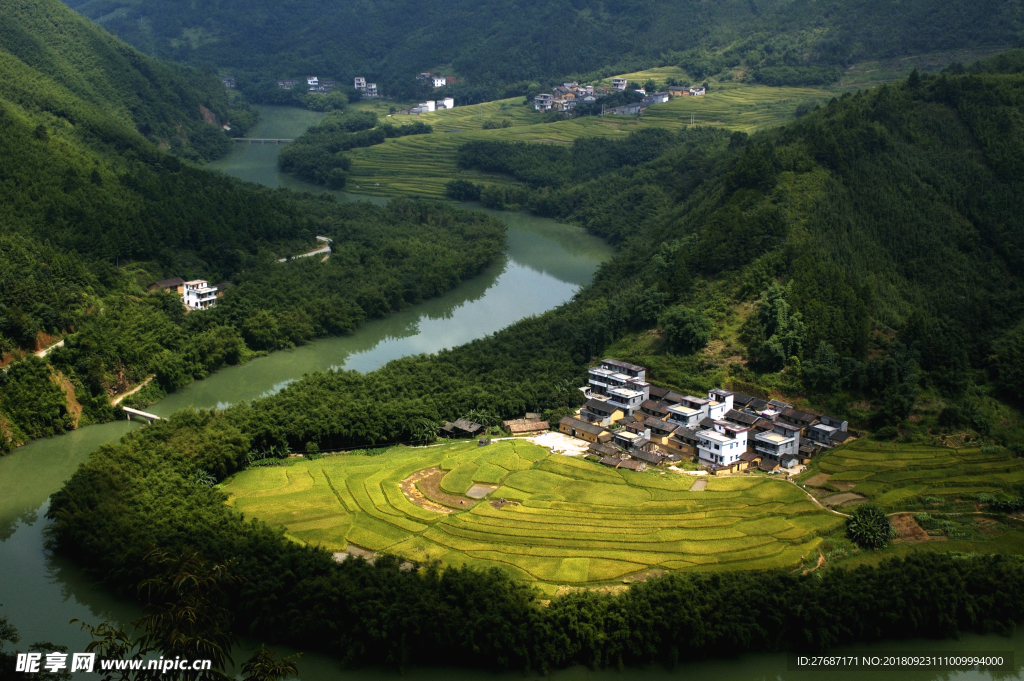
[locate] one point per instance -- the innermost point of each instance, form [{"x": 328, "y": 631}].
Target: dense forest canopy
[{"x": 496, "y": 46}]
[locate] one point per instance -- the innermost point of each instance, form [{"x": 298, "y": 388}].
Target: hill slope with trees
[
  {"x": 496, "y": 46},
  {"x": 92, "y": 211}
]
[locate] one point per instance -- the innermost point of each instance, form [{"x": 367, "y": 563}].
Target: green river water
[{"x": 546, "y": 264}]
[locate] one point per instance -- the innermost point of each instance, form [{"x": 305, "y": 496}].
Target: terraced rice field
[
  {"x": 894, "y": 474},
  {"x": 572, "y": 521},
  {"x": 422, "y": 164}
]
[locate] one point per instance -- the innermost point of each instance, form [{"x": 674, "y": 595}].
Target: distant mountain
[{"x": 497, "y": 44}]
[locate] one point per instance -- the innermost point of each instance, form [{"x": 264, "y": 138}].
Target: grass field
[
  {"x": 899, "y": 476},
  {"x": 422, "y": 164},
  {"x": 575, "y": 522}
]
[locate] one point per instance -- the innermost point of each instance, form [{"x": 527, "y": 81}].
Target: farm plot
[
  {"x": 422, "y": 164},
  {"x": 898, "y": 475},
  {"x": 554, "y": 518}
]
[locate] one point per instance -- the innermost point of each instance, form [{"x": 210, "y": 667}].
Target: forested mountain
[
  {"x": 496, "y": 45},
  {"x": 68, "y": 71},
  {"x": 867, "y": 252},
  {"x": 864, "y": 255},
  {"x": 92, "y": 211}
]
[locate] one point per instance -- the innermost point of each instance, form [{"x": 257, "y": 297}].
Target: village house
[
  {"x": 175, "y": 285},
  {"x": 722, "y": 445},
  {"x": 199, "y": 295},
  {"x": 525, "y": 426},
  {"x": 619, "y": 83},
  {"x": 690, "y": 411},
  {"x": 778, "y": 442},
  {"x": 288, "y": 84},
  {"x": 588, "y": 432},
  {"x": 446, "y": 103},
  {"x": 360, "y": 83},
  {"x": 829, "y": 432},
  {"x": 655, "y": 98},
  {"x": 461, "y": 428},
  {"x": 228, "y": 82},
  {"x": 439, "y": 81},
  {"x": 371, "y": 90},
  {"x": 800, "y": 419},
  {"x": 543, "y": 102},
  {"x": 601, "y": 412},
  {"x": 627, "y": 110}
]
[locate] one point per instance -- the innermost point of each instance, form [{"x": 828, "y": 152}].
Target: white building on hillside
[
  {"x": 439, "y": 81},
  {"x": 619, "y": 83},
  {"x": 199, "y": 295},
  {"x": 722, "y": 445}
]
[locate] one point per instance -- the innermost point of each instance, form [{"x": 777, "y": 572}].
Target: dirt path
[
  {"x": 821, "y": 561},
  {"x": 423, "y": 489},
  {"x": 817, "y": 503},
  {"x": 140, "y": 386},
  {"x": 45, "y": 351}
]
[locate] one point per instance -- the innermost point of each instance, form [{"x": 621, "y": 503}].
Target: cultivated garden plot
[{"x": 551, "y": 518}]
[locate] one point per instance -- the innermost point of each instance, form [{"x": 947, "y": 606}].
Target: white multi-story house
[
  {"x": 543, "y": 102},
  {"x": 427, "y": 106},
  {"x": 619, "y": 83},
  {"x": 199, "y": 295},
  {"x": 360, "y": 83},
  {"x": 446, "y": 103},
  {"x": 439, "y": 81},
  {"x": 313, "y": 82},
  {"x": 723, "y": 444},
  {"x": 371, "y": 90},
  {"x": 721, "y": 403}
]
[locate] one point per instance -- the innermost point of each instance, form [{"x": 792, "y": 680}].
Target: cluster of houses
[
  {"x": 196, "y": 294},
  {"x": 429, "y": 106},
  {"x": 313, "y": 83},
  {"x": 367, "y": 89},
  {"x": 567, "y": 96},
  {"x": 630, "y": 423}
]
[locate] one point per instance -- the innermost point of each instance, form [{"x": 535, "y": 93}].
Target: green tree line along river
[{"x": 546, "y": 264}]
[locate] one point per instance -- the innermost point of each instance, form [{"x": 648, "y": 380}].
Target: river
[{"x": 546, "y": 264}]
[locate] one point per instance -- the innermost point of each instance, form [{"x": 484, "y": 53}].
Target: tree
[
  {"x": 869, "y": 528},
  {"x": 1007, "y": 362},
  {"x": 686, "y": 330},
  {"x": 187, "y": 615}
]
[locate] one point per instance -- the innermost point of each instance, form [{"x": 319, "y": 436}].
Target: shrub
[
  {"x": 869, "y": 528},
  {"x": 462, "y": 190},
  {"x": 686, "y": 330}
]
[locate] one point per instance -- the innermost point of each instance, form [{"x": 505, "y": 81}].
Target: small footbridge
[{"x": 140, "y": 415}]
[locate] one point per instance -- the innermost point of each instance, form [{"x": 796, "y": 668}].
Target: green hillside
[
  {"x": 94, "y": 207},
  {"x": 493, "y": 46},
  {"x": 57, "y": 65},
  {"x": 864, "y": 259}
]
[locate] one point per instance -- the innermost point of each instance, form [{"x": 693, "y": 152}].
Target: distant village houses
[
  {"x": 627, "y": 419},
  {"x": 313, "y": 84},
  {"x": 437, "y": 80},
  {"x": 366, "y": 89},
  {"x": 567, "y": 97},
  {"x": 228, "y": 82}
]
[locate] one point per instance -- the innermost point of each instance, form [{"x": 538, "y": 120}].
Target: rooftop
[
  {"x": 622, "y": 365},
  {"x": 581, "y": 425},
  {"x": 773, "y": 438}
]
